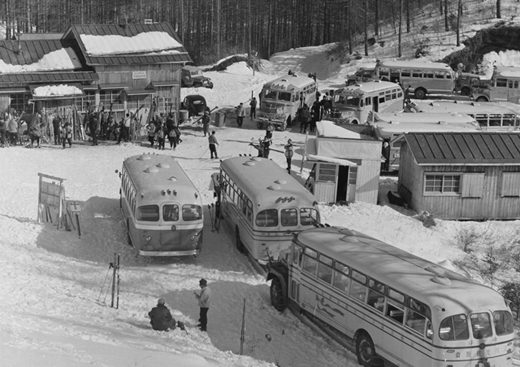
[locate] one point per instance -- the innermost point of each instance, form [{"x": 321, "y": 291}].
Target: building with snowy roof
[
  {"x": 118, "y": 66},
  {"x": 461, "y": 175},
  {"x": 346, "y": 164}
]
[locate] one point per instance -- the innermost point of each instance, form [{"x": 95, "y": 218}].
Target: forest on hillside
[{"x": 210, "y": 29}]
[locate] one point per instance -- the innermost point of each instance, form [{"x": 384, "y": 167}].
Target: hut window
[
  {"x": 442, "y": 184},
  {"x": 510, "y": 184}
]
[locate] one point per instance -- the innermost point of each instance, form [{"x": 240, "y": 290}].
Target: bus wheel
[
  {"x": 465, "y": 91},
  {"x": 365, "y": 351},
  {"x": 354, "y": 122},
  {"x": 238, "y": 241},
  {"x": 482, "y": 99},
  {"x": 420, "y": 93},
  {"x": 277, "y": 296}
]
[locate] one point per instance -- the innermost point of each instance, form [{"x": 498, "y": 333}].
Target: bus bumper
[{"x": 169, "y": 253}]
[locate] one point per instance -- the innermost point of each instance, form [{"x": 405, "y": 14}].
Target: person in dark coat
[
  {"x": 56, "y": 127},
  {"x": 93, "y": 126},
  {"x": 304, "y": 118},
  {"x": 252, "y": 104},
  {"x": 205, "y": 123},
  {"x": 34, "y": 130},
  {"x": 161, "y": 317},
  {"x": 315, "y": 115}
]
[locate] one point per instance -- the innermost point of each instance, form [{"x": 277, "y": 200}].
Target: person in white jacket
[{"x": 204, "y": 300}]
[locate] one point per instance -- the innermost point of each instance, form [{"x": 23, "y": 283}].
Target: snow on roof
[
  {"x": 56, "y": 90},
  {"x": 142, "y": 42},
  {"x": 328, "y": 129},
  {"x": 62, "y": 59}
]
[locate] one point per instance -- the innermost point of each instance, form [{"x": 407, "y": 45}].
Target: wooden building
[
  {"x": 120, "y": 66},
  {"x": 466, "y": 176},
  {"x": 346, "y": 165}
]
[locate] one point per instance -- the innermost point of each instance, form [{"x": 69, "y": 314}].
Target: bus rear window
[
  {"x": 267, "y": 218},
  {"x": 148, "y": 213},
  {"x": 191, "y": 212},
  {"x": 170, "y": 213},
  {"x": 309, "y": 216},
  {"x": 503, "y": 321},
  {"x": 289, "y": 217},
  {"x": 481, "y": 325},
  {"x": 454, "y": 328},
  {"x": 284, "y": 96}
]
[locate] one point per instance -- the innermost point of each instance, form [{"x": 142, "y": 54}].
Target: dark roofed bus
[
  {"x": 161, "y": 206},
  {"x": 394, "y": 305}
]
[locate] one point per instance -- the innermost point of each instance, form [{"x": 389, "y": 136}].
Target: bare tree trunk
[
  {"x": 399, "y": 52},
  {"x": 459, "y": 21},
  {"x": 376, "y": 15},
  {"x": 446, "y": 24},
  {"x": 365, "y": 5},
  {"x": 499, "y": 14},
  {"x": 407, "y": 16}
]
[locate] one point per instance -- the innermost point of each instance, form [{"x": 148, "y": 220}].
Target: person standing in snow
[
  {"x": 66, "y": 135},
  {"x": 205, "y": 123},
  {"x": 289, "y": 152},
  {"x": 204, "y": 300},
  {"x": 150, "y": 131},
  {"x": 161, "y": 317},
  {"x": 213, "y": 142},
  {"x": 252, "y": 104},
  {"x": 125, "y": 128},
  {"x": 304, "y": 118},
  {"x": 241, "y": 113},
  {"x": 12, "y": 126},
  {"x": 34, "y": 130},
  {"x": 56, "y": 127},
  {"x": 160, "y": 134},
  {"x": 3, "y": 129},
  {"x": 93, "y": 126}
]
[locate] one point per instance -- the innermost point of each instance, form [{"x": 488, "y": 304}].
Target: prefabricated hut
[
  {"x": 346, "y": 165},
  {"x": 462, "y": 176}
]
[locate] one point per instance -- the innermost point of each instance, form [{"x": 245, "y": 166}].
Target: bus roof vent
[
  {"x": 347, "y": 232},
  {"x": 151, "y": 170},
  {"x": 441, "y": 280},
  {"x": 173, "y": 179},
  {"x": 349, "y": 239},
  {"x": 144, "y": 157},
  {"x": 163, "y": 165},
  {"x": 437, "y": 270},
  {"x": 280, "y": 181},
  {"x": 274, "y": 187},
  {"x": 256, "y": 159},
  {"x": 249, "y": 163}
]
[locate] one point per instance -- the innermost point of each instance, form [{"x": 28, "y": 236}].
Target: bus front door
[{"x": 375, "y": 104}]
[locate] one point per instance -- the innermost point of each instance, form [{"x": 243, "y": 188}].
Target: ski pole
[
  {"x": 103, "y": 285},
  {"x": 118, "y": 279}
]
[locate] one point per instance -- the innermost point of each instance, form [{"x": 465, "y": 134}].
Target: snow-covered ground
[{"x": 54, "y": 293}]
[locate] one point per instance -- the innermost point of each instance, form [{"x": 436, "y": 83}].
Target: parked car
[
  {"x": 191, "y": 76},
  {"x": 466, "y": 82},
  {"x": 195, "y": 105},
  {"x": 363, "y": 74}
]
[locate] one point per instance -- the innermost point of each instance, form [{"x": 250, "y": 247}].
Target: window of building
[
  {"x": 442, "y": 184},
  {"x": 510, "y": 184},
  {"x": 326, "y": 172}
]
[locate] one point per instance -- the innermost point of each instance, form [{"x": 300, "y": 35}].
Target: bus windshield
[
  {"x": 347, "y": 100},
  {"x": 270, "y": 94},
  {"x": 284, "y": 96}
]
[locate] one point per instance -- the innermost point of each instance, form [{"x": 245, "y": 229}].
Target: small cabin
[
  {"x": 346, "y": 165},
  {"x": 461, "y": 176}
]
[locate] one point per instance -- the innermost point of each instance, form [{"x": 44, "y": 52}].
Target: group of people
[
  {"x": 162, "y": 128},
  {"x": 241, "y": 111},
  {"x": 161, "y": 318},
  {"x": 310, "y": 116},
  {"x": 264, "y": 144},
  {"x": 8, "y": 129}
]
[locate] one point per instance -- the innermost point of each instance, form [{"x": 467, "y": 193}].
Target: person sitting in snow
[{"x": 161, "y": 317}]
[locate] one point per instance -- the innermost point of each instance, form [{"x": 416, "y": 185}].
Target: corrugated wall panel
[{"x": 367, "y": 183}]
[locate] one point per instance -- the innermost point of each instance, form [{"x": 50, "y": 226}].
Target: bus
[
  {"x": 264, "y": 205},
  {"x": 491, "y": 116},
  {"x": 503, "y": 86},
  {"x": 355, "y": 103},
  {"x": 391, "y": 131},
  {"x": 393, "y": 305},
  {"x": 423, "y": 78},
  {"x": 281, "y": 99},
  {"x": 161, "y": 207}
]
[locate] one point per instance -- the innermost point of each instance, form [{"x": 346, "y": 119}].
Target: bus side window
[
  {"x": 376, "y": 295},
  {"x": 309, "y": 264},
  {"x": 358, "y": 288},
  {"x": 297, "y": 255},
  {"x": 325, "y": 269},
  {"x": 415, "y": 321},
  {"x": 395, "y": 313}
]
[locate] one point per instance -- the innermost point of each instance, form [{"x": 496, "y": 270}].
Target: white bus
[
  {"x": 161, "y": 207},
  {"x": 504, "y": 86},
  {"x": 281, "y": 99},
  {"x": 390, "y": 131},
  {"x": 491, "y": 116},
  {"x": 264, "y": 205},
  {"x": 355, "y": 103},
  {"x": 422, "y": 77},
  {"x": 395, "y": 306}
]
